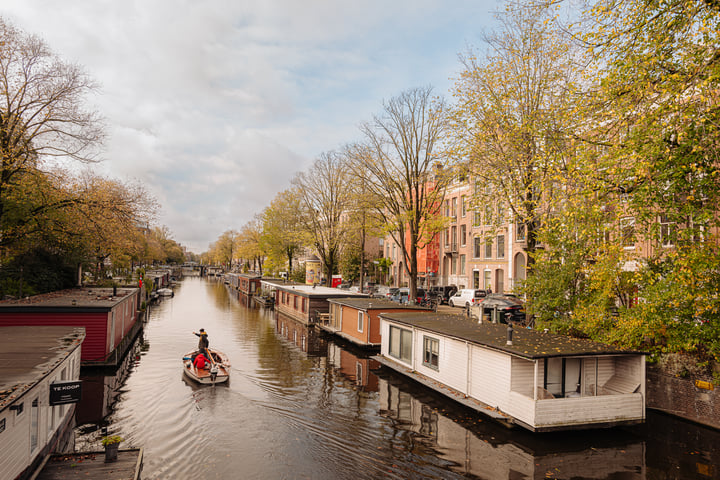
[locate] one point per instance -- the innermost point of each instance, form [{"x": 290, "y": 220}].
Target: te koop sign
[{"x": 65, "y": 392}]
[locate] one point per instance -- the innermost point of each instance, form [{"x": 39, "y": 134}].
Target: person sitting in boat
[
  {"x": 201, "y": 361},
  {"x": 203, "y": 343}
]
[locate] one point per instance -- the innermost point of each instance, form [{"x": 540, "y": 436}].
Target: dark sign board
[{"x": 65, "y": 392}]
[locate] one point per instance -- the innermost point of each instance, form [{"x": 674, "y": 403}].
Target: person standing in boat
[{"x": 203, "y": 343}]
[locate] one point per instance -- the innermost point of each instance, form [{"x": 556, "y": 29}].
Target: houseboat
[
  {"x": 307, "y": 303},
  {"x": 355, "y": 319},
  {"x": 109, "y": 315},
  {"x": 39, "y": 385},
  {"x": 537, "y": 380},
  {"x": 248, "y": 284}
]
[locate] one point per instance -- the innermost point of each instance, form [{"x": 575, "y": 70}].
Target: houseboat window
[
  {"x": 304, "y": 305},
  {"x": 563, "y": 376},
  {"x": 295, "y": 303},
  {"x": 401, "y": 344},
  {"x": 34, "y": 425},
  {"x": 361, "y": 321},
  {"x": 431, "y": 352}
]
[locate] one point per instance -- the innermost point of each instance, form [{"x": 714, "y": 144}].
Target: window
[
  {"x": 477, "y": 218},
  {"x": 361, "y": 321},
  {"x": 668, "y": 231},
  {"x": 486, "y": 279},
  {"x": 500, "y": 213},
  {"x": 462, "y": 264},
  {"x": 627, "y": 231},
  {"x": 463, "y": 207},
  {"x": 400, "y": 343},
  {"x": 488, "y": 214},
  {"x": 463, "y": 235},
  {"x": 304, "y": 305},
  {"x": 34, "y": 425},
  {"x": 488, "y": 248},
  {"x": 501, "y": 246},
  {"x": 431, "y": 352},
  {"x": 520, "y": 232},
  {"x": 477, "y": 247},
  {"x": 453, "y": 213},
  {"x": 453, "y": 265},
  {"x": 295, "y": 302},
  {"x": 447, "y": 207}
]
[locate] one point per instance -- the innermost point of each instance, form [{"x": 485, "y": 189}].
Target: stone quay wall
[{"x": 697, "y": 401}]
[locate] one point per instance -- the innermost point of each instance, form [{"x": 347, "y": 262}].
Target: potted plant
[{"x": 111, "y": 444}]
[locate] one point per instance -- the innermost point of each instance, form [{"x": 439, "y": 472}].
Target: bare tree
[
  {"x": 325, "y": 193},
  {"x": 402, "y": 166}
]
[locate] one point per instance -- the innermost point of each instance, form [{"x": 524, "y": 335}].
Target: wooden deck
[{"x": 91, "y": 465}]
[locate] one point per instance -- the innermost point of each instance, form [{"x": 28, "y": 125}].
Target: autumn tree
[
  {"x": 251, "y": 244},
  {"x": 224, "y": 250},
  {"x": 282, "y": 229},
  {"x": 43, "y": 121},
  {"x": 325, "y": 192},
  {"x": 402, "y": 166},
  {"x": 514, "y": 118}
]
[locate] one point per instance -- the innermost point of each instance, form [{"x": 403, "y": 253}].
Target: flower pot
[{"x": 111, "y": 452}]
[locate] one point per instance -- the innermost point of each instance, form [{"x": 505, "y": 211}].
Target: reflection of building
[
  {"x": 540, "y": 381},
  {"x": 101, "y": 389},
  {"x": 488, "y": 450},
  {"x": 353, "y": 367},
  {"x": 109, "y": 316},
  {"x": 303, "y": 336},
  {"x": 38, "y": 388}
]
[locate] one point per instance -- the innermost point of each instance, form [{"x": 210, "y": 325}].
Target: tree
[
  {"x": 42, "y": 117},
  {"x": 251, "y": 245},
  {"x": 325, "y": 193},
  {"x": 401, "y": 165},
  {"x": 514, "y": 119},
  {"x": 282, "y": 231},
  {"x": 224, "y": 250}
]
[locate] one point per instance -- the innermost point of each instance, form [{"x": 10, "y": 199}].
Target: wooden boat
[{"x": 217, "y": 371}]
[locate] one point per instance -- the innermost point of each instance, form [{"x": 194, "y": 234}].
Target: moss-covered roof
[{"x": 526, "y": 343}]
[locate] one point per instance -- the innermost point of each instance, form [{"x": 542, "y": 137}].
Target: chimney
[{"x": 509, "y": 334}]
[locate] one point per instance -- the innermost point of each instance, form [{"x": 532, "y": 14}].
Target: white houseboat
[
  {"x": 540, "y": 381},
  {"x": 39, "y": 384}
]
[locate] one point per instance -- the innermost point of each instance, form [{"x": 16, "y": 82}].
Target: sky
[{"x": 215, "y": 105}]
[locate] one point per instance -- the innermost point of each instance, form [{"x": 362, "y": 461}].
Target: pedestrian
[{"x": 203, "y": 343}]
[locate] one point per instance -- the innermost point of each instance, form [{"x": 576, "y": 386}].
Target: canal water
[{"x": 300, "y": 405}]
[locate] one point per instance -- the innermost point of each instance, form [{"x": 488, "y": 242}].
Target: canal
[{"x": 300, "y": 405}]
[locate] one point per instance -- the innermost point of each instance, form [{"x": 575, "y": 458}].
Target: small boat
[
  {"x": 217, "y": 371},
  {"x": 165, "y": 292}
]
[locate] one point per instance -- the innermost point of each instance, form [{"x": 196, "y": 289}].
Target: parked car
[
  {"x": 386, "y": 292},
  {"x": 466, "y": 297},
  {"x": 510, "y": 307},
  {"x": 401, "y": 295},
  {"x": 443, "y": 293}
]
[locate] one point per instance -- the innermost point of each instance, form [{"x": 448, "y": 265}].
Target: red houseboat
[{"x": 109, "y": 315}]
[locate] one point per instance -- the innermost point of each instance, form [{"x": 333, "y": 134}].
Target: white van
[{"x": 467, "y": 297}]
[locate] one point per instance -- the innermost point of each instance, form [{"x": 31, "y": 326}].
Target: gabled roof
[{"x": 527, "y": 343}]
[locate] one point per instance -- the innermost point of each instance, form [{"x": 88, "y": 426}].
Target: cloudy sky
[{"x": 215, "y": 105}]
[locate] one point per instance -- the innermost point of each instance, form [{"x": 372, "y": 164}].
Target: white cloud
[{"x": 216, "y": 105}]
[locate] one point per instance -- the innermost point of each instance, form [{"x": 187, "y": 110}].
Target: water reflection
[{"x": 303, "y": 405}]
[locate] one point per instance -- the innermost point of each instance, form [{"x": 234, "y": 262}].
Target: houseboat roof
[
  {"x": 27, "y": 354},
  {"x": 530, "y": 344},
  {"x": 368, "y": 303},
  {"x": 317, "y": 291},
  {"x": 87, "y": 299}
]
